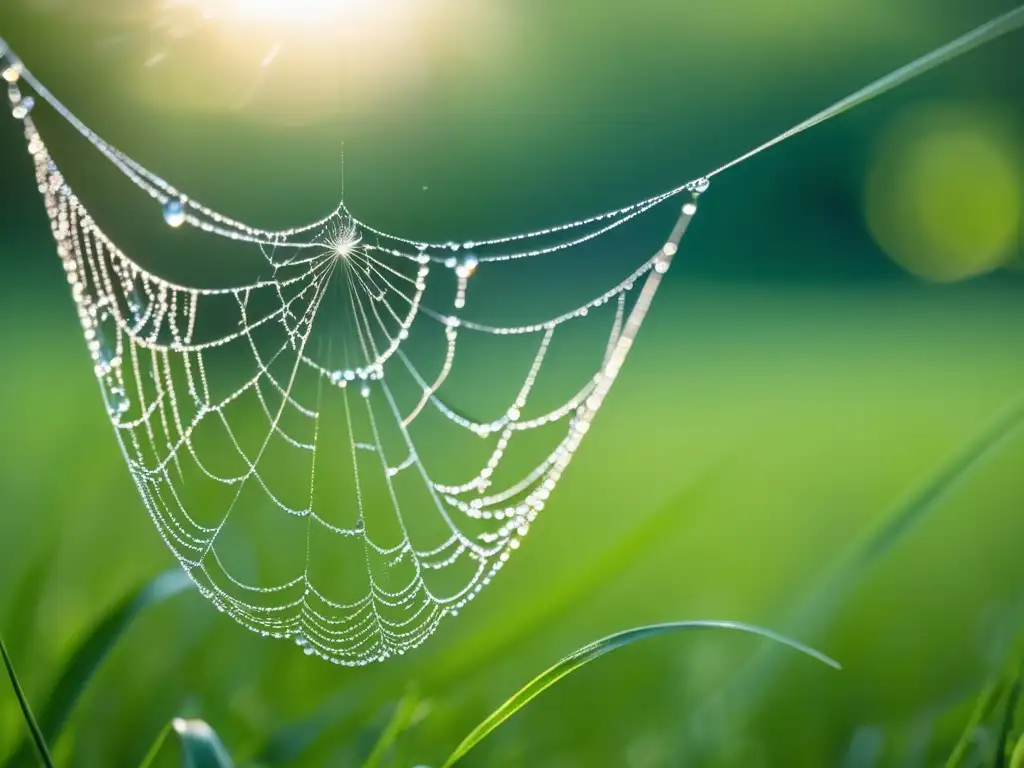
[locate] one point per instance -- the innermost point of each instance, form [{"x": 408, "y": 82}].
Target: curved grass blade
[
  {"x": 820, "y": 604},
  {"x": 400, "y": 720},
  {"x": 1017, "y": 758},
  {"x": 37, "y": 735},
  {"x": 986, "y": 704},
  {"x": 286, "y": 745},
  {"x": 1003, "y": 745},
  {"x": 28, "y": 596},
  {"x": 599, "y": 648},
  {"x": 154, "y": 750},
  {"x": 201, "y": 746},
  {"x": 88, "y": 657}
]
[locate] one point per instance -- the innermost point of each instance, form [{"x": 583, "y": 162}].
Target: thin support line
[{"x": 987, "y": 32}]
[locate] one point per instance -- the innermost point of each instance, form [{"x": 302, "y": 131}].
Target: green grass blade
[
  {"x": 986, "y": 704},
  {"x": 27, "y": 597},
  {"x": 88, "y": 657},
  {"x": 286, "y": 745},
  {"x": 599, "y": 648},
  {"x": 1017, "y": 758},
  {"x": 404, "y": 711},
  {"x": 1003, "y": 691},
  {"x": 1009, "y": 715},
  {"x": 26, "y": 710},
  {"x": 821, "y": 603},
  {"x": 154, "y": 750},
  {"x": 200, "y": 745}
]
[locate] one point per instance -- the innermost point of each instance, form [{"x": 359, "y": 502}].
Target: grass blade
[
  {"x": 986, "y": 704},
  {"x": 26, "y": 710},
  {"x": 1017, "y": 758},
  {"x": 27, "y": 596},
  {"x": 200, "y": 744},
  {"x": 286, "y": 745},
  {"x": 599, "y": 648},
  {"x": 404, "y": 711},
  {"x": 154, "y": 750},
  {"x": 88, "y": 657},
  {"x": 1003, "y": 745},
  {"x": 821, "y": 603}
]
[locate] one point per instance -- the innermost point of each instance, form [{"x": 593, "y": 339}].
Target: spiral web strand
[{"x": 221, "y": 397}]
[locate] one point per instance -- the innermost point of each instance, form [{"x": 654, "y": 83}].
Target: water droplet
[
  {"x": 23, "y": 107},
  {"x": 360, "y": 525},
  {"x": 117, "y": 403},
  {"x": 11, "y": 68},
  {"x": 174, "y": 212},
  {"x": 135, "y": 305},
  {"x": 104, "y": 355},
  {"x": 308, "y": 650},
  {"x": 365, "y": 391}
]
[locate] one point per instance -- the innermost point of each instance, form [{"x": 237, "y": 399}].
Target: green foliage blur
[{"x": 806, "y": 437}]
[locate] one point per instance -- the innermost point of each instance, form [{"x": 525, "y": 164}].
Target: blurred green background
[{"x": 844, "y": 317}]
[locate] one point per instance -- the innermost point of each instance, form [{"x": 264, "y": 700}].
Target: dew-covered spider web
[
  {"x": 298, "y": 402},
  {"x": 327, "y": 402}
]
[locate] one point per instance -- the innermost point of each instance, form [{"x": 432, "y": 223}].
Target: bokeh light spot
[{"x": 945, "y": 192}]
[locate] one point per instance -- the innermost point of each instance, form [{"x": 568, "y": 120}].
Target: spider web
[
  {"x": 302, "y": 395},
  {"x": 316, "y": 403}
]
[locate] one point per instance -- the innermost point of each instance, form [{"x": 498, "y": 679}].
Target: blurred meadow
[{"x": 817, "y": 432}]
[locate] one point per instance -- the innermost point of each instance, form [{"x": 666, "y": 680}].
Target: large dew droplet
[
  {"x": 174, "y": 212},
  {"x": 10, "y": 68}
]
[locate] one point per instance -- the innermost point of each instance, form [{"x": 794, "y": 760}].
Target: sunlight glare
[
  {"x": 300, "y": 11},
  {"x": 316, "y": 56}
]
